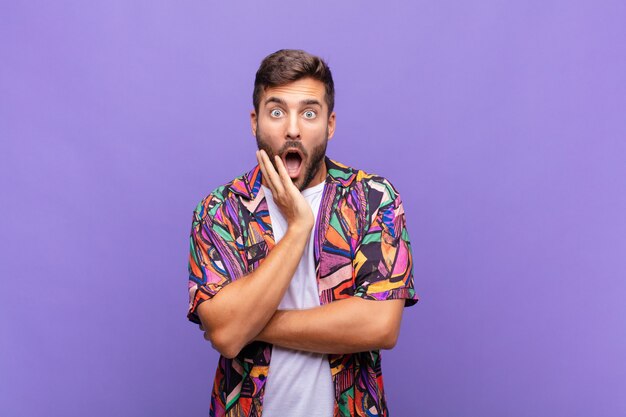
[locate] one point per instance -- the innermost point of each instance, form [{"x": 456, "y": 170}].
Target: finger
[
  {"x": 269, "y": 168},
  {"x": 264, "y": 171},
  {"x": 272, "y": 175},
  {"x": 283, "y": 174}
]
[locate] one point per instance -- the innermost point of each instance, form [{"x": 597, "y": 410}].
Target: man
[{"x": 301, "y": 267}]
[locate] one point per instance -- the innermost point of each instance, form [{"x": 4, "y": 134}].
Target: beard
[{"x": 312, "y": 161}]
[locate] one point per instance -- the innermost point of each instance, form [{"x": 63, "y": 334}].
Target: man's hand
[
  {"x": 241, "y": 309},
  {"x": 286, "y": 195}
]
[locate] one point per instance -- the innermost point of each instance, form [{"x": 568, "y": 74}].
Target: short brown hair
[{"x": 288, "y": 65}]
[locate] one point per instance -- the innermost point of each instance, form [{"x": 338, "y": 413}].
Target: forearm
[
  {"x": 345, "y": 326},
  {"x": 242, "y": 308}
]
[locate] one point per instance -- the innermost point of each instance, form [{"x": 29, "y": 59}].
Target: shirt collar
[{"x": 249, "y": 184}]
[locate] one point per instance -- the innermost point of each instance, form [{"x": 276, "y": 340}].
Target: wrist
[
  {"x": 268, "y": 332},
  {"x": 299, "y": 230}
]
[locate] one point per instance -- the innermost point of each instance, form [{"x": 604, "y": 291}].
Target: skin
[
  {"x": 293, "y": 116},
  {"x": 240, "y": 310}
]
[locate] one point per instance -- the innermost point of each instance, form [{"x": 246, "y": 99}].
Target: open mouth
[{"x": 293, "y": 162}]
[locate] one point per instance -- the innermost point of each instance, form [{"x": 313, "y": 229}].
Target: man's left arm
[
  {"x": 370, "y": 320},
  {"x": 345, "y": 326}
]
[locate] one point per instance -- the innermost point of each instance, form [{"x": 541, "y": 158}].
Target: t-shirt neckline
[{"x": 305, "y": 193}]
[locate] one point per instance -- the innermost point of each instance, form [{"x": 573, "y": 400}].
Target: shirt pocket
[{"x": 253, "y": 254}]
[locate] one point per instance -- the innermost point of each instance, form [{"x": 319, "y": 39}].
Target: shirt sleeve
[
  {"x": 383, "y": 262},
  {"x": 214, "y": 260}
]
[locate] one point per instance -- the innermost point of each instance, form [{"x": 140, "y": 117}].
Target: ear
[
  {"x": 253, "y": 122},
  {"x": 331, "y": 125}
]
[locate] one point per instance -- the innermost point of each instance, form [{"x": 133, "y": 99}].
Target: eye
[
  {"x": 276, "y": 113},
  {"x": 310, "y": 114}
]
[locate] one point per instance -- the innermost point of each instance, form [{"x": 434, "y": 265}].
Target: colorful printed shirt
[{"x": 361, "y": 249}]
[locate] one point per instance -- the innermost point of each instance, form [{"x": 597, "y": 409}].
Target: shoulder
[
  {"x": 380, "y": 200},
  {"x": 377, "y": 189},
  {"x": 214, "y": 205},
  {"x": 382, "y": 187}
]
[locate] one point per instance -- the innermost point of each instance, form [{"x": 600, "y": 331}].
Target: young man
[{"x": 300, "y": 268}]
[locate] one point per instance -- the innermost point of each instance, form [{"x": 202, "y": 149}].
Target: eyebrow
[
  {"x": 307, "y": 102},
  {"x": 275, "y": 100},
  {"x": 310, "y": 102}
]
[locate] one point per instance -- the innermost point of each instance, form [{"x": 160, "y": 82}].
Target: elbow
[
  {"x": 222, "y": 338},
  {"x": 389, "y": 335},
  {"x": 389, "y": 342},
  {"x": 225, "y": 346},
  {"x": 229, "y": 353}
]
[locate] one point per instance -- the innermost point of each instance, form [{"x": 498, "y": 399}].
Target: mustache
[{"x": 291, "y": 144}]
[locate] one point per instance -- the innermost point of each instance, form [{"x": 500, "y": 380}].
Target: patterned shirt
[{"x": 361, "y": 249}]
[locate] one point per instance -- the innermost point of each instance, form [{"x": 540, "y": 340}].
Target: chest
[{"x": 340, "y": 220}]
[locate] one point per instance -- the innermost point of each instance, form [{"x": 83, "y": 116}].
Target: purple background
[{"x": 502, "y": 125}]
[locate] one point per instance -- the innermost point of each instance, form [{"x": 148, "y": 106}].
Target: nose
[{"x": 293, "y": 127}]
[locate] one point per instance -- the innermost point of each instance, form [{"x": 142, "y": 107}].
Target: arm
[
  {"x": 383, "y": 270},
  {"x": 241, "y": 309},
  {"x": 344, "y": 326}
]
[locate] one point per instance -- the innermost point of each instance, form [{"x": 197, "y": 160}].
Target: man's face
[{"x": 293, "y": 122}]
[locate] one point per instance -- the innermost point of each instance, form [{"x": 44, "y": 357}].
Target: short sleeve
[
  {"x": 383, "y": 261},
  {"x": 214, "y": 260}
]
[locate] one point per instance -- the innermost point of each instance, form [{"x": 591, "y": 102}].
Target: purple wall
[{"x": 503, "y": 126}]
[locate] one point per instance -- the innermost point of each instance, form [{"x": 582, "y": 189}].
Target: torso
[{"x": 299, "y": 383}]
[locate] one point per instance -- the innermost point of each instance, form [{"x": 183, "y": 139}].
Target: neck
[{"x": 320, "y": 176}]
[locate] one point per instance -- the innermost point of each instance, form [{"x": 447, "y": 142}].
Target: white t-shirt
[{"x": 298, "y": 383}]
